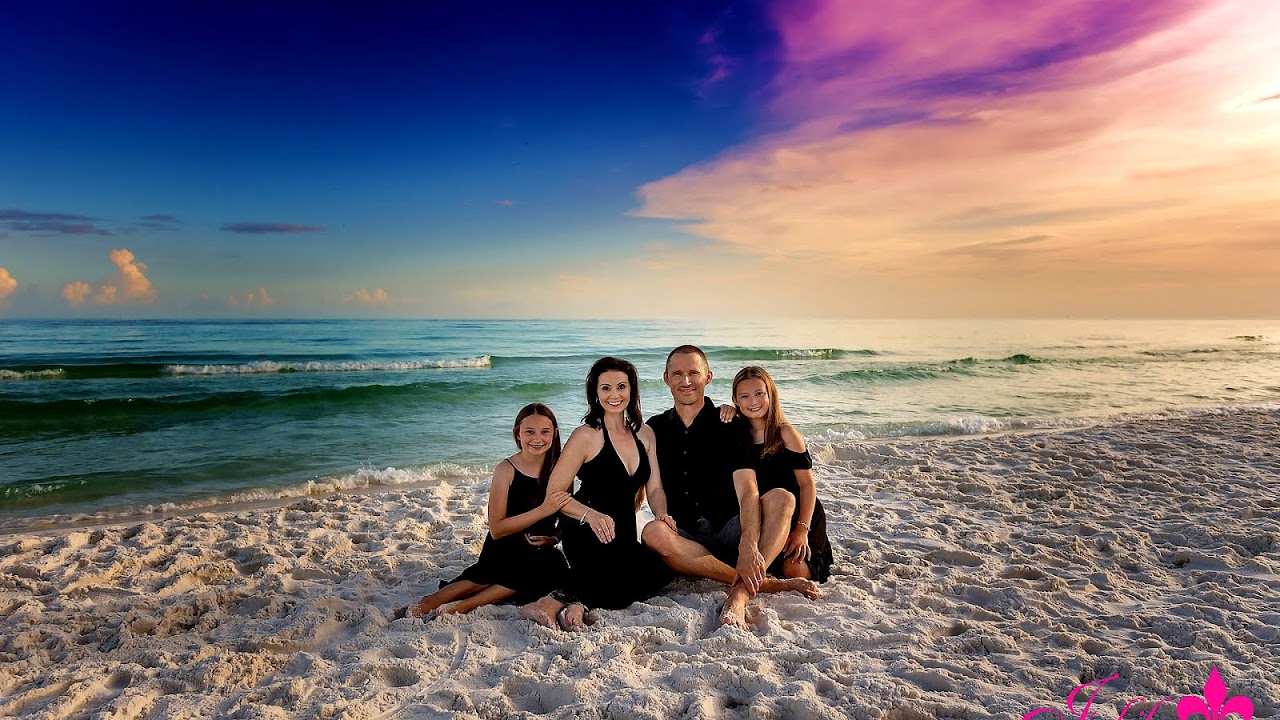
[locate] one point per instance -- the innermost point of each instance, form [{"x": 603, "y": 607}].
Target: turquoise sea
[{"x": 109, "y": 418}]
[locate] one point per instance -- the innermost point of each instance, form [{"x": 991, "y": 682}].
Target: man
[{"x": 717, "y": 525}]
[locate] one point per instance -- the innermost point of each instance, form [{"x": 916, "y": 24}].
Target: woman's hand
[
  {"x": 728, "y": 413},
  {"x": 602, "y": 526},
  {"x": 555, "y": 500},
  {"x": 798, "y": 544},
  {"x": 668, "y": 521}
]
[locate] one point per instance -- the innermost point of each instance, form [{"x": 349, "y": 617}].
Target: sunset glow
[{"x": 971, "y": 158}]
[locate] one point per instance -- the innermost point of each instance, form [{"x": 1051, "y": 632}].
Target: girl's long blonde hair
[{"x": 774, "y": 419}]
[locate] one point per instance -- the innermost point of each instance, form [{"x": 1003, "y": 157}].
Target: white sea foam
[
  {"x": 272, "y": 366},
  {"x": 363, "y": 479},
  {"x": 30, "y": 374},
  {"x": 957, "y": 426},
  {"x": 809, "y": 353}
]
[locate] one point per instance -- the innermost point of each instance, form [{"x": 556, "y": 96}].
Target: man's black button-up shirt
[{"x": 697, "y": 464}]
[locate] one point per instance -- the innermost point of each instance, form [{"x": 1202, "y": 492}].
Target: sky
[{"x": 668, "y": 160}]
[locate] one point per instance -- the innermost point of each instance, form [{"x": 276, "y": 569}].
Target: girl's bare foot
[
  {"x": 543, "y": 611},
  {"x": 804, "y": 586},
  {"x": 421, "y": 610}
]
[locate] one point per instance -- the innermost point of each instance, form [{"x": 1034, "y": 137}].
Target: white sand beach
[{"x": 978, "y": 577}]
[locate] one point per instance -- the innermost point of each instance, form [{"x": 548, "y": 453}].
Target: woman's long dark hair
[
  {"x": 774, "y": 419},
  {"x": 553, "y": 453},
  {"x": 595, "y": 411}
]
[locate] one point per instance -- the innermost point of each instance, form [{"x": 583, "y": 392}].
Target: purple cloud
[
  {"x": 850, "y": 57},
  {"x": 49, "y": 223},
  {"x": 159, "y": 222},
  {"x": 260, "y": 228}
]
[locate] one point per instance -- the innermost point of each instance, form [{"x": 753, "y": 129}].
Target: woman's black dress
[
  {"x": 511, "y": 561},
  {"x": 616, "y": 574},
  {"x": 778, "y": 470}
]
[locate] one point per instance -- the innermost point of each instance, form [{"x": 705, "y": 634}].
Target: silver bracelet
[
  {"x": 583, "y": 519},
  {"x": 803, "y": 524}
]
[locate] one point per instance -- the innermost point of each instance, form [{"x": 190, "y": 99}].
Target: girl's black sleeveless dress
[
  {"x": 616, "y": 574},
  {"x": 511, "y": 561},
  {"x": 778, "y": 470}
]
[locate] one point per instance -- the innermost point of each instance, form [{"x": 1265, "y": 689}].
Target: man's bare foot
[
  {"x": 734, "y": 612},
  {"x": 543, "y": 611},
  {"x": 571, "y": 617},
  {"x": 734, "y": 618},
  {"x": 804, "y": 586}
]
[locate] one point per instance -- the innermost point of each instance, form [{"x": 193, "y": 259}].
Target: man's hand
[
  {"x": 728, "y": 413},
  {"x": 668, "y": 521},
  {"x": 750, "y": 570}
]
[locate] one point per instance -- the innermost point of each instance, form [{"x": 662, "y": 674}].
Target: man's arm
[
  {"x": 751, "y": 567},
  {"x": 657, "y": 495}
]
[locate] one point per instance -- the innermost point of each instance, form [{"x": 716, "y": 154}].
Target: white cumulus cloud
[
  {"x": 364, "y": 297},
  {"x": 7, "y": 284},
  {"x": 129, "y": 285}
]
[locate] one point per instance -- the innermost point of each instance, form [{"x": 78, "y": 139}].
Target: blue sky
[{"x": 519, "y": 159}]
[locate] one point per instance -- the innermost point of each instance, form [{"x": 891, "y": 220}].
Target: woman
[
  {"x": 614, "y": 455},
  {"x": 784, "y": 462},
  {"x": 519, "y": 559}
]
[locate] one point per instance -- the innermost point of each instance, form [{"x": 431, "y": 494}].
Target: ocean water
[{"x": 110, "y": 418}]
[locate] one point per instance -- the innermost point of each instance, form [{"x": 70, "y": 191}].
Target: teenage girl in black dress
[
  {"x": 519, "y": 560},
  {"x": 784, "y": 462}
]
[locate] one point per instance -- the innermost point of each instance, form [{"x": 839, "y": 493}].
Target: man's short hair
[{"x": 687, "y": 350}]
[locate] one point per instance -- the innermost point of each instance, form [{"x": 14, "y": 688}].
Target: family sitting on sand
[{"x": 732, "y": 493}]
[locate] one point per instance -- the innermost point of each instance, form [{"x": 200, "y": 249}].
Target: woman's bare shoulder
[
  {"x": 584, "y": 440},
  {"x": 646, "y": 435}
]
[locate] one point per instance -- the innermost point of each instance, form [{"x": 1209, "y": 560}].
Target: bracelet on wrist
[
  {"x": 583, "y": 520},
  {"x": 804, "y": 525}
]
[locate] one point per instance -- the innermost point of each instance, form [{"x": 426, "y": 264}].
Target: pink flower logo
[{"x": 1215, "y": 705}]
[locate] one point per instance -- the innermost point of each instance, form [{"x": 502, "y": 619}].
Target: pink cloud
[
  {"x": 130, "y": 284},
  {"x": 854, "y": 58},
  {"x": 75, "y": 292},
  {"x": 365, "y": 297},
  {"x": 260, "y": 297},
  {"x": 1013, "y": 152},
  {"x": 7, "y": 284}
]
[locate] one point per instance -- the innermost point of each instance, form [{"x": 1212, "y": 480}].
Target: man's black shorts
[{"x": 722, "y": 541}]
